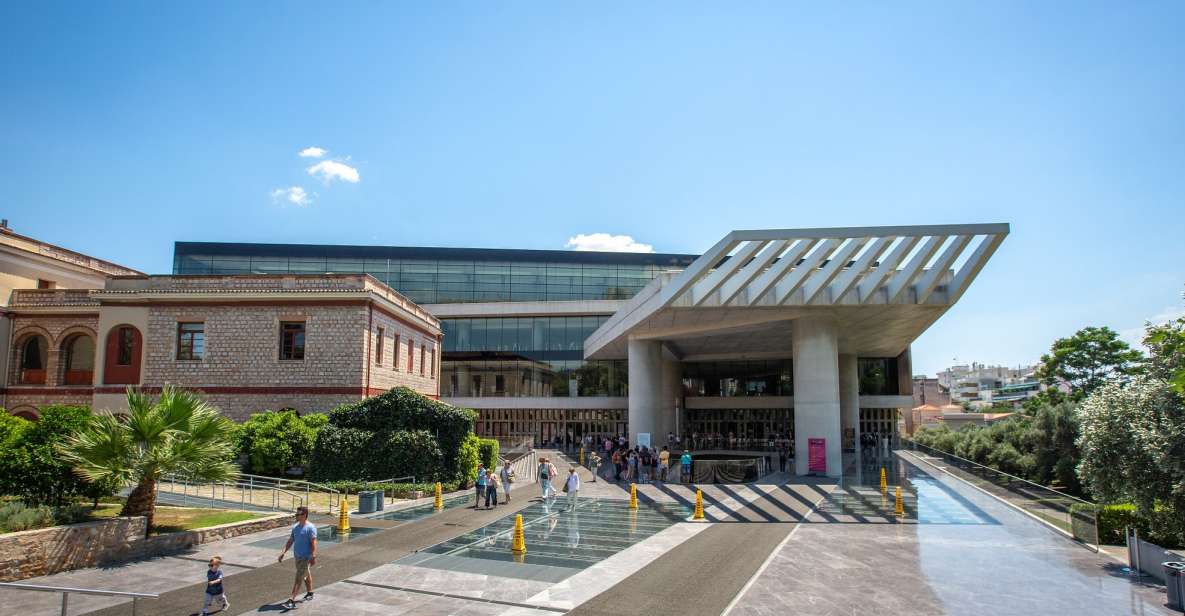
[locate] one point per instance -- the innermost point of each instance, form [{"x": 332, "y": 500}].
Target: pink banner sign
[{"x": 816, "y": 455}]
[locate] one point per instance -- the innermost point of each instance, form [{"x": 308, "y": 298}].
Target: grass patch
[{"x": 176, "y": 519}]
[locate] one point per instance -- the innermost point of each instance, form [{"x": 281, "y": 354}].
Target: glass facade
[
  {"x": 525, "y": 356},
  {"x": 878, "y": 376},
  {"x": 444, "y": 275},
  {"x": 739, "y": 378}
]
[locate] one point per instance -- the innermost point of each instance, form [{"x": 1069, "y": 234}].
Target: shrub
[
  {"x": 488, "y": 452},
  {"x": 1113, "y": 519},
  {"x": 17, "y": 516},
  {"x": 72, "y": 514},
  {"x": 274, "y": 441},
  {"x": 398, "y": 433},
  {"x": 341, "y": 453},
  {"x": 399, "y": 490},
  {"x": 30, "y": 466},
  {"x": 468, "y": 456},
  {"x": 415, "y": 453}
]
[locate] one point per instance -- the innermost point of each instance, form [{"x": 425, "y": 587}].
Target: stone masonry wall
[
  {"x": 393, "y": 370},
  {"x": 242, "y": 346},
  {"x": 45, "y": 551}
]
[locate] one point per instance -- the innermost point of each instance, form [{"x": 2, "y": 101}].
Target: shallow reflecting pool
[
  {"x": 419, "y": 511},
  {"x": 559, "y": 542}
]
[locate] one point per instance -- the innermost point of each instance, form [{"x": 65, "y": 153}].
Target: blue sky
[{"x": 126, "y": 126}]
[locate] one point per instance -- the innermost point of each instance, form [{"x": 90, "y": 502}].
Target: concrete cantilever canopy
[{"x": 882, "y": 286}]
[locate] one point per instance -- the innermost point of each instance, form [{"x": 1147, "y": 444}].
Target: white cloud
[
  {"x": 312, "y": 152},
  {"x": 603, "y": 242},
  {"x": 293, "y": 194},
  {"x": 1135, "y": 335},
  {"x": 329, "y": 170}
]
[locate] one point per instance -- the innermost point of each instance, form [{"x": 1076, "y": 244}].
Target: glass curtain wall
[
  {"x": 739, "y": 378},
  {"x": 878, "y": 376},
  {"x": 525, "y": 356},
  {"x": 449, "y": 281}
]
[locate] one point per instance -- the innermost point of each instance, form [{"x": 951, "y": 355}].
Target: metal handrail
[
  {"x": 309, "y": 487},
  {"x": 66, "y": 591},
  {"x": 241, "y": 485}
]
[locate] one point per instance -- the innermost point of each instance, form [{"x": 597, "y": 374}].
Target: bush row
[
  {"x": 397, "y": 434},
  {"x": 1113, "y": 519},
  {"x": 397, "y": 490},
  {"x": 17, "y": 516},
  {"x": 30, "y": 466}
]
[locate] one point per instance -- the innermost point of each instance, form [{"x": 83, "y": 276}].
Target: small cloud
[
  {"x": 1135, "y": 335},
  {"x": 329, "y": 170},
  {"x": 312, "y": 152},
  {"x": 603, "y": 242},
  {"x": 293, "y": 194}
]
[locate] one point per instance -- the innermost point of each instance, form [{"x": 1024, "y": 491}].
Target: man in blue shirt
[
  {"x": 685, "y": 462},
  {"x": 303, "y": 542}
]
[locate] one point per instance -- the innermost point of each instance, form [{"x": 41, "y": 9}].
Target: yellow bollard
[
  {"x": 343, "y": 517},
  {"x": 633, "y": 496},
  {"x": 518, "y": 544},
  {"x": 884, "y": 483},
  {"x": 699, "y": 505},
  {"x": 439, "y": 503},
  {"x": 899, "y": 509}
]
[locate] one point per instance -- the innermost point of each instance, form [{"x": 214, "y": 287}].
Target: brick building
[{"x": 247, "y": 342}]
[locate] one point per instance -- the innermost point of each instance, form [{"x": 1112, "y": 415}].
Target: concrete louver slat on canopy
[
  {"x": 793, "y": 271},
  {"x": 891, "y": 282}
]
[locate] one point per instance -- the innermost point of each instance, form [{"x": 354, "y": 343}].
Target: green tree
[
  {"x": 178, "y": 433},
  {"x": 1166, "y": 352},
  {"x": 47, "y": 477},
  {"x": 1133, "y": 448},
  {"x": 1085, "y": 361},
  {"x": 275, "y": 441},
  {"x": 14, "y": 458}
]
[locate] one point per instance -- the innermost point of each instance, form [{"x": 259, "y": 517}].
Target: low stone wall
[{"x": 33, "y": 553}]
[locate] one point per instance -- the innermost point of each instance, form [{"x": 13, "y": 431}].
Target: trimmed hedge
[
  {"x": 1112, "y": 519},
  {"x": 399, "y": 490},
  {"x": 488, "y": 452},
  {"x": 396, "y": 434}
]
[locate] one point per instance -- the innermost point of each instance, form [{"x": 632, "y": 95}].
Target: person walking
[
  {"x": 303, "y": 543},
  {"x": 572, "y": 487},
  {"x": 507, "y": 479},
  {"x": 480, "y": 484},
  {"x": 545, "y": 477},
  {"x": 617, "y": 465},
  {"x": 664, "y": 463},
  {"x": 492, "y": 484},
  {"x": 214, "y": 588},
  {"x": 685, "y": 462},
  {"x": 595, "y": 464}
]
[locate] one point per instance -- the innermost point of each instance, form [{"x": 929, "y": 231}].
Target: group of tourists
[
  {"x": 489, "y": 483},
  {"x": 641, "y": 464},
  {"x": 548, "y": 473}
]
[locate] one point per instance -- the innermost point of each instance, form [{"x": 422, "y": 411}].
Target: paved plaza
[{"x": 782, "y": 546}]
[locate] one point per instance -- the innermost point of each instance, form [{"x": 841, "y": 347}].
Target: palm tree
[{"x": 178, "y": 434}]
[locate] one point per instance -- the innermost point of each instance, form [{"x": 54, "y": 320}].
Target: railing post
[{"x": 65, "y": 602}]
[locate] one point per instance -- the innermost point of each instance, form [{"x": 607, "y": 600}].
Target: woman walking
[
  {"x": 572, "y": 487},
  {"x": 492, "y": 482},
  {"x": 507, "y": 479},
  {"x": 545, "y": 477}
]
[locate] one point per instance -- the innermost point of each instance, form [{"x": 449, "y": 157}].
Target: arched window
[
  {"x": 122, "y": 365},
  {"x": 33, "y": 357},
  {"x": 78, "y": 360}
]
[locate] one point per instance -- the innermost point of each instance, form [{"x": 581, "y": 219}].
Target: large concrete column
[
  {"x": 849, "y": 397},
  {"x": 672, "y": 394},
  {"x": 816, "y": 392},
  {"x": 646, "y": 393}
]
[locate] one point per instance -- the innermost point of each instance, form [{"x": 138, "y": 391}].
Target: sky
[{"x": 127, "y": 126}]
